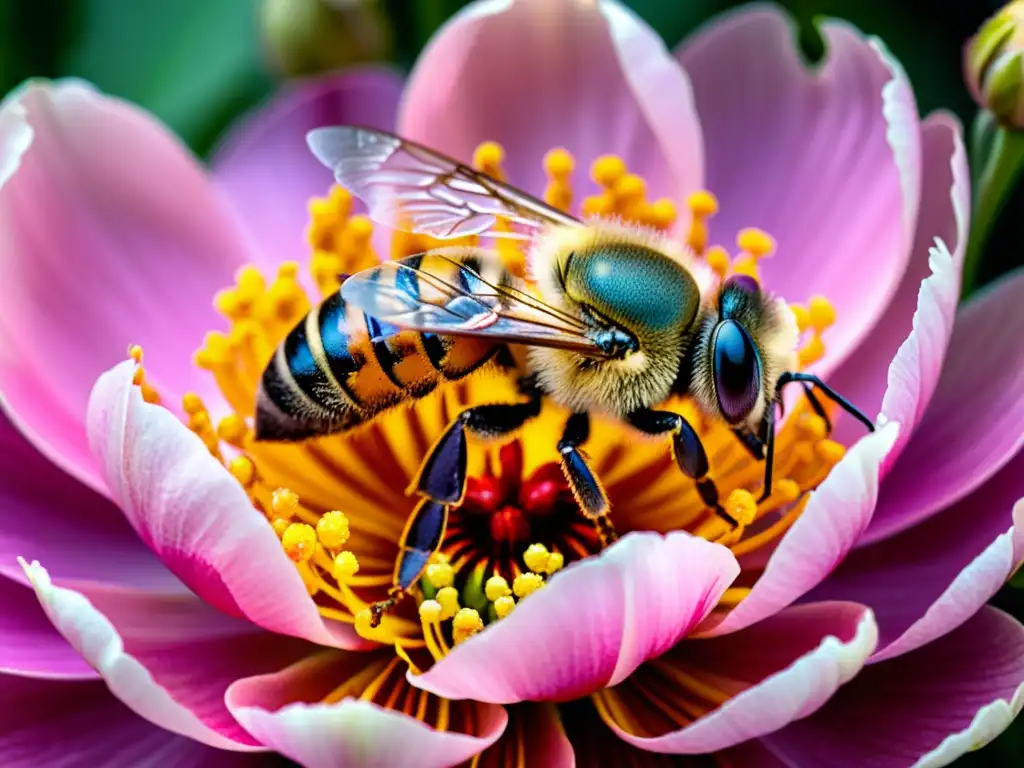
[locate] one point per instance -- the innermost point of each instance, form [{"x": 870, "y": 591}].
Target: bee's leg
[
  {"x": 750, "y": 441},
  {"x": 442, "y": 480},
  {"x": 816, "y": 405},
  {"x": 581, "y": 478},
  {"x": 688, "y": 450}
]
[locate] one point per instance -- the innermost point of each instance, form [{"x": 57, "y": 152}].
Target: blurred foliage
[{"x": 198, "y": 64}]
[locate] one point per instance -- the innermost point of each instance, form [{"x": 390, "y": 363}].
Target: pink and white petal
[
  {"x": 193, "y": 513},
  {"x": 835, "y": 517},
  {"x": 538, "y": 74},
  {"x": 266, "y": 169},
  {"x": 592, "y": 624},
  {"x": 106, "y": 189},
  {"x": 915, "y": 331},
  {"x": 779, "y": 670},
  {"x": 50, "y": 722},
  {"x": 285, "y": 711},
  {"x": 930, "y": 579},
  {"x": 29, "y": 644},
  {"x": 172, "y": 666},
  {"x": 975, "y": 423},
  {"x": 926, "y": 708},
  {"x": 47, "y": 514},
  {"x": 828, "y": 160}
]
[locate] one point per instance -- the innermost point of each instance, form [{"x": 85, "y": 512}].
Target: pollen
[
  {"x": 344, "y": 566},
  {"x": 332, "y": 530},
  {"x": 299, "y": 542},
  {"x": 607, "y": 170},
  {"x": 662, "y": 213},
  {"x": 280, "y": 525},
  {"x": 496, "y": 588},
  {"x": 818, "y": 316},
  {"x": 830, "y": 451},
  {"x": 284, "y": 502},
  {"x": 503, "y": 606},
  {"x": 536, "y": 558},
  {"x": 718, "y": 259},
  {"x": 199, "y": 422},
  {"x": 243, "y": 470},
  {"x": 440, "y": 575},
  {"x": 467, "y": 622},
  {"x": 556, "y": 561},
  {"x": 233, "y": 430},
  {"x": 526, "y": 584}
]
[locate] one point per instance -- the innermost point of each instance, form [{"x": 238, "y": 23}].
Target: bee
[{"x": 614, "y": 320}]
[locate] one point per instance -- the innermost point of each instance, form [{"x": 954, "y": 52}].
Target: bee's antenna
[{"x": 832, "y": 395}]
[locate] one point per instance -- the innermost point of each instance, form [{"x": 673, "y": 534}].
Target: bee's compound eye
[{"x": 737, "y": 370}]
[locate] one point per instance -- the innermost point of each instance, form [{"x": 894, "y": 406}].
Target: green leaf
[{"x": 194, "y": 64}]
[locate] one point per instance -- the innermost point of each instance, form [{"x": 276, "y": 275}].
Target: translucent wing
[
  {"x": 436, "y": 293},
  {"x": 410, "y": 187}
]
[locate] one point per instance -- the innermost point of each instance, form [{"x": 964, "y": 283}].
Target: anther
[
  {"x": 440, "y": 575},
  {"x": 812, "y": 426},
  {"x": 280, "y": 525},
  {"x": 232, "y": 429},
  {"x": 703, "y": 205},
  {"x": 332, "y": 530},
  {"x": 344, "y": 566},
  {"x": 741, "y": 506},
  {"x": 536, "y": 558},
  {"x": 488, "y": 158},
  {"x": 607, "y": 170},
  {"x": 430, "y": 611},
  {"x": 830, "y": 451},
  {"x": 526, "y": 584},
  {"x": 802, "y": 316},
  {"x": 662, "y": 213},
  {"x": 756, "y": 242},
  {"x": 786, "y": 490},
  {"x": 448, "y": 598},
  {"x": 299, "y": 542},
  {"x": 284, "y": 502},
  {"x": 467, "y": 622},
  {"x": 135, "y": 353},
  {"x": 496, "y": 587},
  {"x": 556, "y": 561},
  {"x": 559, "y": 166},
  {"x": 243, "y": 470},
  {"x": 503, "y": 606},
  {"x": 718, "y": 259},
  {"x": 822, "y": 313}
]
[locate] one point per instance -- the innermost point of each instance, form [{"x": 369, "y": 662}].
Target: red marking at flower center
[{"x": 510, "y": 526}]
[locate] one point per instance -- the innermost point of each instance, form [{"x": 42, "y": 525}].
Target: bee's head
[{"x": 745, "y": 341}]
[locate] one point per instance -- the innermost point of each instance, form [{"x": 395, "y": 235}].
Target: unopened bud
[
  {"x": 994, "y": 65},
  {"x": 307, "y": 37}
]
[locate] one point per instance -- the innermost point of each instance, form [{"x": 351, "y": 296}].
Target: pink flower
[{"x": 846, "y": 625}]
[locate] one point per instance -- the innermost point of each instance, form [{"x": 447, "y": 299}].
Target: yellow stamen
[
  {"x": 299, "y": 542},
  {"x": 440, "y": 575},
  {"x": 819, "y": 316},
  {"x": 662, "y": 213},
  {"x": 488, "y": 157},
  {"x": 559, "y": 165},
  {"x": 526, "y": 584},
  {"x": 243, "y": 470},
  {"x": 607, "y": 170},
  {"x": 430, "y": 611},
  {"x": 703, "y": 205},
  {"x": 503, "y": 606},
  {"x": 536, "y": 558},
  {"x": 754, "y": 245},
  {"x": 332, "y": 529},
  {"x": 284, "y": 503},
  {"x": 280, "y": 525},
  {"x": 556, "y": 560},
  {"x": 630, "y": 192},
  {"x": 718, "y": 259},
  {"x": 448, "y": 598},
  {"x": 467, "y": 622},
  {"x": 345, "y": 567},
  {"x": 496, "y": 588},
  {"x": 740, "y": 505},
  {"x": 232, "y": 429}
]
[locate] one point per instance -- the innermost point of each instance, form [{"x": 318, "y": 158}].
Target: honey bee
[{"x": 614, "y": 320}]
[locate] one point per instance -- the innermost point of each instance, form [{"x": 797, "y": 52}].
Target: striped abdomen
[{"x": 339, "y": 367}]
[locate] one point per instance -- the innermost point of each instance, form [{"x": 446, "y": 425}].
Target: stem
[{"x": 1002, "y": 167}]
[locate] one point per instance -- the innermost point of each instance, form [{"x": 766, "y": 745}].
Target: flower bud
[
  {"x": 994, "y": 65},
  {"x": 306, "y": 37}
]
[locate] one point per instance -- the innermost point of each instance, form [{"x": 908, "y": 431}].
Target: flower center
[{"x": 339, "y": 505}]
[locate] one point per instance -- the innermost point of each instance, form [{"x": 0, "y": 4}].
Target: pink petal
[
  {"x": 931, "y": 706},
  {"x": 174, "y": 664},
  {"x": 46, "y": 513},
  {"x": 195, "y": 515},
  {"x": 266, "y": 169},
  {"x": 283, "y": 710},
  {"x": 975, "y": 423},
  {"x": 835, "y": 516},
  {"x": 50, "y": 723},
  {"x": 113, "y": 236},
  {"x": 592, "y": 625},
  {"x": 538, "y": 74},
  {"x": 828, "y": 161},
  {"x": 930, "y": 579},
  {"x": 29, "y": 645},
  {"x": 925, "y": 301},
  {"x": 792, "y": 662}
]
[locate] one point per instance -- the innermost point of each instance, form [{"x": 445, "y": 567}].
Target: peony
[{"x": 200, "y": 592}]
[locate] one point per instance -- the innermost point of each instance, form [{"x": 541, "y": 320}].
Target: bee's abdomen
[{"x": 338, "y": 368}]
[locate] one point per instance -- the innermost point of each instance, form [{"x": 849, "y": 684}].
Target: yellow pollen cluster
[
  {"x": 341, "y": 244},
  {"x": 149, "y": 394},
  {"x": 624, "y": 194}
]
